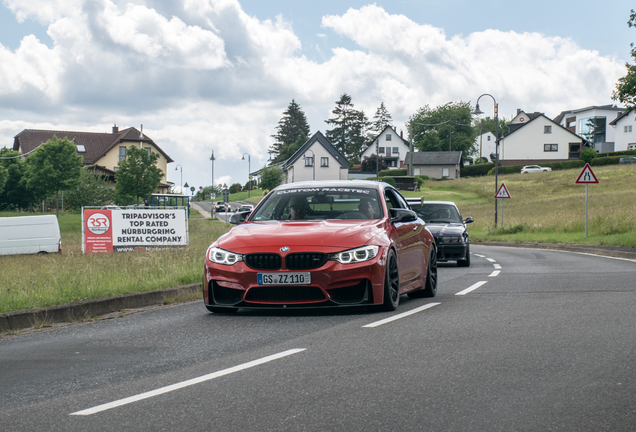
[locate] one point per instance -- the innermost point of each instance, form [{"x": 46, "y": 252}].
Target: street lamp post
[
  {"x": 479, "y": 112},
  {"x": 313, "y": 162},
  {"x": 181, "y": 168},
  {"x": 249, "y": 178},
  {"x": 212, "y": 159}
]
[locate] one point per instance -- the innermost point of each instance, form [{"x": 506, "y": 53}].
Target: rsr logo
[{"x": 98, "y": 223}]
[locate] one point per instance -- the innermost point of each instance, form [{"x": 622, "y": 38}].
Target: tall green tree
[
  {"x": 4, "y": 175},
  {"x": 350, "y": 129},
  {"x": 445, "y": 128},
  {"x": 91, "y": 190},
  {"x": 53, "y": 167},
  {"x": 625, "y": 91},
  {"x": 381, "y": 119},
  {"x": 488, "y": 125},
  {"x": 271, "y": 177},
  {"x": 291, "y": 128},
  {"x": 138, "y": 175},
  {"x": 15, "y": 196}
]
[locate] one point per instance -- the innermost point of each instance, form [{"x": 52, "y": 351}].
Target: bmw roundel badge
[{"x": 284, "y": 249}]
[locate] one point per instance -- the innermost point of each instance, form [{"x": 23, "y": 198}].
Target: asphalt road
[{"x": 523, "y": 340}]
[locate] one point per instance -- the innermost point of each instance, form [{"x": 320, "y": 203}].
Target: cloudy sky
[{"x": 216, "y": 75}]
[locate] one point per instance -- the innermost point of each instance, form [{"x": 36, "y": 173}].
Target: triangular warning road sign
[
  {"x": 587, "y": 175},
  {"x": 503, "y": 192}
]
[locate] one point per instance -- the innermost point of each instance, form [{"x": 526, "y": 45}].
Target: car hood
[
  {"x": 452, "y": 229},
  {"x": 327, "y": 236}
]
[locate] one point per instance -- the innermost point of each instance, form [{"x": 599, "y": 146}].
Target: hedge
[{"x": 393, "y": 173}]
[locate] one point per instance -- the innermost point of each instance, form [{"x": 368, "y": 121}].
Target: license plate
[{"x": 284, "y": 278}]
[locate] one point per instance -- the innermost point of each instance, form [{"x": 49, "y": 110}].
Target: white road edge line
[
  {"x": 491, "y": 260},
  {"x": 497, "y": 266},
  {"x": 472, "y": 288},
  {"x": 495, "y": 273},
  {"x": 480, "y": 256},
  {"x": 398, "y": 316},
  {"x": 187, "y": 383}
]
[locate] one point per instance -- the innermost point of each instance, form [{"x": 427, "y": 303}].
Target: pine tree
[
  {"x": 291, "y": 128},
  {"x": 381, "y": 119},
  {"x": 348, "y": 135}
]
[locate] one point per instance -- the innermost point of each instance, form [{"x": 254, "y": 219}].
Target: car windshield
[
  {"x": 319, "y": 203},
  {"x": 437, "y": 213}
]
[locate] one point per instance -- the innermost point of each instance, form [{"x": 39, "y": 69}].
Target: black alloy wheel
[
  {"x": 431, "y": 275},
  {"x": 391, "y": 283}
]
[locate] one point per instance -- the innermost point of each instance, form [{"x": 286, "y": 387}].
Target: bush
[
  {"x": 476, "y": 170},
  {"x": 587, "y": 154},
  {"x": 601, "y": 161},
  {"x": 389, "y": 180},
  {"x": 393, "y": 172}
]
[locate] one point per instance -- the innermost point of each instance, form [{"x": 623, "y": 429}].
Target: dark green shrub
[
  {"x": 587, "y": 154},
  {"x": 393, "y": 172},
  {"x": 476, "y": 170},
  {"x": 601, "y": 161},
  {"x": 389, "y": 180}
]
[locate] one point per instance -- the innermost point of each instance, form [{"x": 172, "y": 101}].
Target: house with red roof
[{"x": 101, "y": 152}]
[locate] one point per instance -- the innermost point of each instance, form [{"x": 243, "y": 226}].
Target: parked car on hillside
[
  {"x": 627, "y": 159},
  {"x": 534, "y": 168},
  {"x": 322, "y": 244},
  {"x": 445, "y": 222}
]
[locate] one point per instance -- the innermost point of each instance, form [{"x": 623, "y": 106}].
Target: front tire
[
  {"x": 391, "y": 283},
  {"x": 431, "y": 275},
  {"x": 466, "y": 261}
]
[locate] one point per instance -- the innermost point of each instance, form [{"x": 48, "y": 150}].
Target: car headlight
[
  {"x": 357, "y": 255},
  {"x": 448, "y": 239},
  {"x": 220, "y": 256}
]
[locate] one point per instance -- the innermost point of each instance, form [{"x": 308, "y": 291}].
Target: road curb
[
  {"x": 86, "y": 309},
  {"x": 611, "y": 251}
]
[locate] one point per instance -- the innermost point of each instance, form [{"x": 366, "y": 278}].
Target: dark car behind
[{"x": 445, "y": 222}]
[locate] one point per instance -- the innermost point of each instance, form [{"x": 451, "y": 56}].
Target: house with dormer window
[
  {"x": 101, "y": 152},
  {"x": 389, "y": 145},
  {"x": 534, "y": 138}
]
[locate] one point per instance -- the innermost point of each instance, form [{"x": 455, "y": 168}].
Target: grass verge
[{"x": 33, "y": 281}]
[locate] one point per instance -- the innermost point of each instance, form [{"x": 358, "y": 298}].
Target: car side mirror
[
  {"x": 239, "y": 218},
  {"x": 468, "y": 220},
  {"x": 402, "y": 215}
]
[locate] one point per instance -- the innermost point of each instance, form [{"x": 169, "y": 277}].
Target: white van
[{"x": 29, "y": 235}]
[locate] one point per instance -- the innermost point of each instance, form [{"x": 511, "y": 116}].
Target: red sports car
[{"x": 322, "y": 243}]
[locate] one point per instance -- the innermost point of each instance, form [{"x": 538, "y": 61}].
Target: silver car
[{"x": 534, "y": 168}]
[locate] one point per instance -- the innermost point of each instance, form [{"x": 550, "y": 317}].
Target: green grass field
[{"x": 544, "y": 208}]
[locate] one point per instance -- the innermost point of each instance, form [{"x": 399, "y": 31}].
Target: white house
[
  {"x": 390, "y": 146},
  {"x": 534, "y": 138},
  {"x": 317, "y": 159},
  {"x": 624, "y": 131},
  {"x": 593, "y": 124},
  {"x": 485, "y": 144}
]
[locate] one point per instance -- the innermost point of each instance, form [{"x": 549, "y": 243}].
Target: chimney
[
  {"x": 115, "y": 129},
  {"x": 518, "y": 111},
  {"x": 401, "y": 134}
]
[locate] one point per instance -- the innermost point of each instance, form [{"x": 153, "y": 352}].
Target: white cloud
[{"x": 209, "y": 76}]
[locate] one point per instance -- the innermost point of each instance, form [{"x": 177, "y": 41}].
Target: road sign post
[
  {"x": 586, "y": 177},
  {"x": 502, "y": 193}
]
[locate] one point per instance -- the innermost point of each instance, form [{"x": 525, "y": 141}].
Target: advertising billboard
[{"x": 123, "y": 230}]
